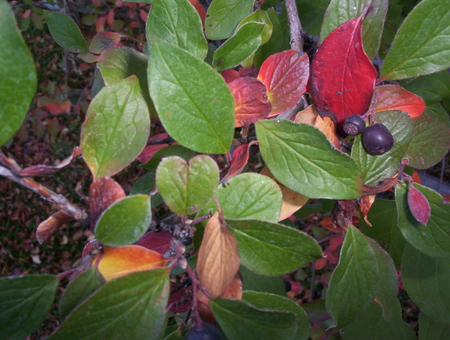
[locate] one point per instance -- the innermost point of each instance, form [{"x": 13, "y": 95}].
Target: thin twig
[
  {"x": 295, "y": 26},
  {"x": 59, "y": 200}
]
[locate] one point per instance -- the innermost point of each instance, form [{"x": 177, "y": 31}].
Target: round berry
[
  {"x": 207, "y": 332},
  {"x": 354, "y": 125},
  {"x": 377, "y": 139}
]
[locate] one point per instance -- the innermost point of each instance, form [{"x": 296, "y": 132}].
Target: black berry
[
  {"x": 377, "y": 139},
  {"x": 354, "y": 125},
  {"x": 287, "y": 286},
  {"x": 208, "y": 332}
]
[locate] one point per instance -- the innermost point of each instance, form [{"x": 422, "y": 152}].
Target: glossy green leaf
[
  {"x": 302, "y": 158},
  {"x": 273, "y": 249},
  {"x": 177, "y": 23},
  {"x": 200, "y": 117},
  {"x": 24, "y": 303},
  {"x": 430, "y": 142},
  {"x": 116, "y": 129},
  {"x": 340, "y": 11},
  {"x": 261, "y": 283},
  {"x": 259, "y": 16},
  {"x": 280, "y": 303},
  {"x": 224, "y": 15},
  {"x": 438, "y": 111},
  {"x": 371, "y": 325},
  {"x": 377, "y": 168},
  {"x": 384, "y": 229},
  {"x": 248, "y": 196},
  {"x": 426, "y": 280},
  {"x": 121, "y": 62},
  {"x": 65, "y": 32},
  {"x": 125, "y": 221},
  {"x": 354, "y": 282},
  {"x": 431, "y": 329},
  {"x": 311, "y": 15},
  {"x": 145, "y": 185},
  {"x": 170, "y": 150},
  {"x": 275, "y": 42},
  {"x": 240, "y": 320},
  {"x": 187, "y": 188},
  {"x": 387, "y": 280},
  {"x": 239, "y": 47},
  {"x": 432, "y": 88},
  {"x": 79, "y": 289},
  {"x": 18, "y": 80},
  {"x": 421, "y": 45},
  {"x": 433, "y": 239},
  {"x": 129, "y": 307}
]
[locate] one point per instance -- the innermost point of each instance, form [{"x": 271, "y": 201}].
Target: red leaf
[
  {"x": 149, "y": 151},
  {"x": 157, "y": 241},
  {"x": 239, "y": 159},
  {"x": 393, "y": 97},
  {"x": 418, "y": 204},
  {"x": 285, "y": 75},
  {"x": 229, "y": 75},
  {"x": 143, "y": 15},
  {"x": 180, "y": 301},
  {"x": 200, "y": 10},
  {"x": 57, "y": 107},
  {"x": 250, "y": 100},
  {"x": 102, "y": 193},
  {"x": 342, "y": 75}
]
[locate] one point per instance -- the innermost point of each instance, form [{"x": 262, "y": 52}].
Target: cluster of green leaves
[{"x": 179, "y": 83}]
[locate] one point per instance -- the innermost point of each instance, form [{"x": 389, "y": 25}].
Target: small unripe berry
[
  {"x": 208, "y": 332},
  {"x": 377, "y": 139},
  {"x": 354, "y": 125}
]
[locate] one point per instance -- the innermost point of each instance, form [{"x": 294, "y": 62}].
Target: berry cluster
[
  {"x": 206, "y": 332},
  {"x": 376, "y": 138}
]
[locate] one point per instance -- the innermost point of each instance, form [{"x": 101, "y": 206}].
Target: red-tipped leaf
[
  {"x": 394, "y": 97},
  {"x": 285, "y": 75},
  {"x": 342, "y": 75}
]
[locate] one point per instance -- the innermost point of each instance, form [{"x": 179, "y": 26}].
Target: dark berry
[
  {"x": 377, "y": 139},
  {"x": 287, "y": 286},
  {"x": 354, "y": 125},
  {"x": 207, "y": 332}
]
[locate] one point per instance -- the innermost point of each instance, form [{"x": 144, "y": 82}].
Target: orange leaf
[
  {"x": 47, "y": 227},
  {"x": 218, "y": 256},
  {"x": 291, "y": 200},
  {"x": 250, "y": 100},
  {"x": 120, "y": 261},
  {"x": 365, "y": 204},
  {"x": 394, "y": 97}
]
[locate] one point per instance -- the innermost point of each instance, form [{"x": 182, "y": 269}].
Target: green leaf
[
  {"x": 431, "y": 329},
  {"x": 430, "y": 142},
  {"x": 340, "y": 11},
  {"x": 224, "y": 15},
  {"x": 65, "y": 32},
  {"x": 280, "y": 303},
  {"x": 79, "y": 289},
  {"x": 426, "y": 280},
  {"x": 165, "y": 19},
  {"x": 187, "y": 188},
  {"x": 275, "y": 42},
  {"x": 121, "y": 62},
  {"x": 145, "y": 185},
  {"x": 18, "y": 80},
  {"x": 248, "y": 196},
  {"x": 371, "y": 325},
  {"x": 438, "y": 111},
  {"x": 302, "y": 158},
  {"x": 240, "y": 320},
  {"x": 239, "y": 47},
  {"x": 420, "y": 45},
  {"x": 272, "y": 249},
  {"x": 376, "y": 168},
  {"x": 384, "y": 229},
  {"x": 260, "y": 283},
  {"x": 433, "y": 239},
  {"x": 200, "y": 117},
  {"x": 354, "y": 282},
  {"x": 259, "y": 16},
  {"x": 124, "y": 221},
  {"x": 433, "y": 88},
  {"x": 170, "y": 150},
  {"x": 129, "y": 307},
  {"x": 24, "y": 303},
  {"x": 311, "y": 15},
  {"x": 116, "y": 129}
]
